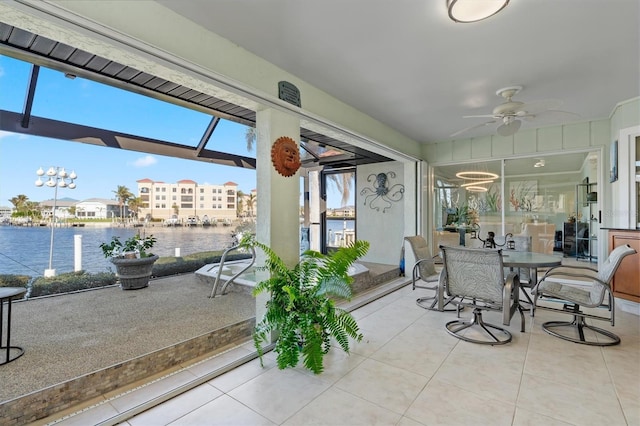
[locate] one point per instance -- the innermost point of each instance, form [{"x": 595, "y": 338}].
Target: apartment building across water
[{"x": 187, "y": 198}]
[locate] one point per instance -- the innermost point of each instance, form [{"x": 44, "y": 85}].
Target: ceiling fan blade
[
  {"x": 477, "y": 126},
  {"x": 509, "y": 129},
  {"x": 556, "y": 115},
  {"x": 479, "y": 116},
  {"x": 536, "y": 107}
]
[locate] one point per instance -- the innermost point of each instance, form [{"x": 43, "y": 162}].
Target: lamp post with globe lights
[{"x": 56, "y": 177}]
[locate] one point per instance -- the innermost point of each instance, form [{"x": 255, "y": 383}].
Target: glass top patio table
[{"x": 531, "y": 260}]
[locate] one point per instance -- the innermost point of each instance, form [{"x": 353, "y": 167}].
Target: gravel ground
[{"x": 70, "y": 335}]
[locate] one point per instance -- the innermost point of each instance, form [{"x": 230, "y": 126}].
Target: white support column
[{"x": 278, "y": 197}]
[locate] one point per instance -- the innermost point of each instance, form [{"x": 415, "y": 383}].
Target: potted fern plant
[
  {"x": 302, "y": 309},
  {"x": 132, "y": 259}
]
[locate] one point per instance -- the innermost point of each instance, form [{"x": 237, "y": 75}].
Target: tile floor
[{"x": 409, "y": 371}]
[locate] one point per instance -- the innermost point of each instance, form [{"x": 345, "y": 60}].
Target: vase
[{"x": 134, "y": 274}]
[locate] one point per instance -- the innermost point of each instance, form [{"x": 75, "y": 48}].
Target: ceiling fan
[{"x": 510, "y": 113}]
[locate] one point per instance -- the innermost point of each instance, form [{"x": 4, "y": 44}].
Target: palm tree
[
  {"x": 135, "y": 204},
  {"x": 32, "y": 209},
  {"x": 122, "y": 195},
  {"x": 251, "y": 201},
  {"x": 19, "y": 202},
  {"x": 250, "y": 136},
  {"x": 343, "y": 183}
]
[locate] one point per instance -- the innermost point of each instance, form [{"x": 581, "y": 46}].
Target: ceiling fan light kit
[{"x": 468, "y": 11}]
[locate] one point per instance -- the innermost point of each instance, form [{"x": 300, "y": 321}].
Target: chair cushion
[{"x": 566, "y": 292}]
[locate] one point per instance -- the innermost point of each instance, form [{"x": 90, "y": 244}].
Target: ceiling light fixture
[
  {"x": 475, "y": 183},
  {"x": 540, "y": 163},
  {"x": 467, "y": 11},
  {"x": 476, "y": 189},
  {"x": 477, "y": 175}
]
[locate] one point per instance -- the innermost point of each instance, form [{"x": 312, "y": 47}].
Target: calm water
[{"x": 25, "y": 250}]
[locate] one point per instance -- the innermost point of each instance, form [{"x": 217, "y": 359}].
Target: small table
[
  {"x": 7, "y": 294},
  {"x": 532, "y": 261}
]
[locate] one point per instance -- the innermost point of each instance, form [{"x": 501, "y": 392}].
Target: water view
[{"x": 25, "y": 250}]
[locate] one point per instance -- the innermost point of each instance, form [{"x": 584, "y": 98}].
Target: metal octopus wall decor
[{"x": 381, "y": 195}]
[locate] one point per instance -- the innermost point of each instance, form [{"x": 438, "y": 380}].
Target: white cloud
[
  {"x": 4, "y": 134},
  {"x": 146, "y": 161}
]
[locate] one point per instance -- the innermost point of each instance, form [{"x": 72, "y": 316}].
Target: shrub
[
  {"x": 7, "y": 280},
  {"x": 166, "y": 266},
  {"x": 72, "y": 281}
]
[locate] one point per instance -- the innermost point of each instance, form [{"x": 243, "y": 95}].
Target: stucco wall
[{"x": 384, "y": 230}]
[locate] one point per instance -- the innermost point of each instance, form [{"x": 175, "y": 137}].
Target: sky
[{"x": 101, "y": 170}]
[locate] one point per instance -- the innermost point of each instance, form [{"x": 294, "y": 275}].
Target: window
[
  {"x": 174, "y": 189},
  {"x": 144, "y": 190}
]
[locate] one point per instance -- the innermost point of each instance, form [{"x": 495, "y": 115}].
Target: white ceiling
[{"x": 404, "y": 63}]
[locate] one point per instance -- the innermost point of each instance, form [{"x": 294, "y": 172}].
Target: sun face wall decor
[{"x": 285, "y": 156}]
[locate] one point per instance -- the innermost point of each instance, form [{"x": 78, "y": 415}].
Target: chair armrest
[
  {"x": 511, "y": 291},
  {"x": 571, "y": 267}
]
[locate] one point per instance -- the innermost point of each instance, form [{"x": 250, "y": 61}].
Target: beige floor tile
[
  {"x": 442, "y": 403},
  {"x": 278, "y": 394},
  {"x": 406, "y": 421},
  {"x": 177, "y": 407},
  {"x": 420, "y": 348},
  {"x": 382, "y": 384},
  {"x": 152, "y": 390},
  {"x": 526, "y": 417},
  {"x": 572, "y": 404},
  {"x": 223, "y": 411},
  {"x": 494, "y": 371},
  {"x": 555, "y": 359},
  {"x": 337, "y": 407},
  {"x": 242, "y": 374}
]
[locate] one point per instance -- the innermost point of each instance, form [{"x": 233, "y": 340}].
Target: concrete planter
[{"x": 134, "y": 274}]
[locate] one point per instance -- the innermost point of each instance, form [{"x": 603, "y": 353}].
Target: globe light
[{"x": 57, "y": 177}]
